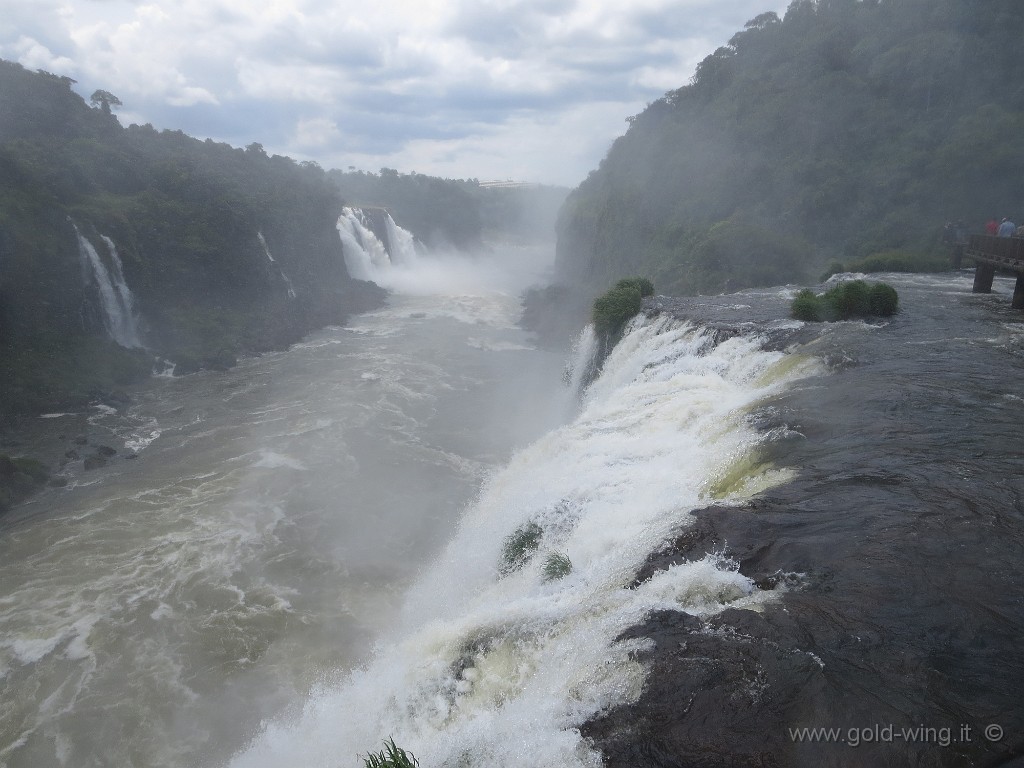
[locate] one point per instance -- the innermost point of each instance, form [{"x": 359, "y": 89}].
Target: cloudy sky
[{"x": 531, "y": 90}]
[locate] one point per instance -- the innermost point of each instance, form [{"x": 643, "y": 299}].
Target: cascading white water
[
  {"x": 582, "y": 360},
  {"x": 402, "y": 243},
  {"x": 499, "y": 665},
  {"x": 115, "y": 297},
  {"x": 365, "y": 255},
  {"x": 272, "y": 260}
]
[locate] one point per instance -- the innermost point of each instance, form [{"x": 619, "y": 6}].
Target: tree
[{"x": 104, "y": 100}]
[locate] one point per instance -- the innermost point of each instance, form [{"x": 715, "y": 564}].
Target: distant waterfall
[
  {"x": 401, "y": 242},
  {"x": 367, "y": 256},
  {"x": 115, "y": 297},
  {"x": 284, "y": 277}
]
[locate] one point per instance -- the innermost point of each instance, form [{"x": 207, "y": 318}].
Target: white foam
[
  {"x": 273, "y": 460},
  {"x": 505, "y": 668}
]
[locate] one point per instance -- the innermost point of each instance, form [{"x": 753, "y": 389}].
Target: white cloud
[
  {"x": 532, "y": 89},
  {"x": 34, "y": 55},
  {"x": 315, "y": 133}
]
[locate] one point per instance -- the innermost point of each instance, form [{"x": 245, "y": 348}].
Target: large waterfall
[
  {"x": 372, "y": 257},
  {"x": 507, "y": 645},
  {"x": 116, "y": 299}
]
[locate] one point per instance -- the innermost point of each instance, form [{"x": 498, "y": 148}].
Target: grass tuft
[
  {"x": 391, "y": 756},
  {"x": 556, "y": 566}
]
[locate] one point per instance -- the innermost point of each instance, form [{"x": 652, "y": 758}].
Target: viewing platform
[{"x": 991, "y": 253}]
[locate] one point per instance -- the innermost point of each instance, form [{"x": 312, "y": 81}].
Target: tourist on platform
[
  {"x": 991, "y": 226},
  {"x": 1006, "y": 229},
  {"x": 1020, "y": 231}
]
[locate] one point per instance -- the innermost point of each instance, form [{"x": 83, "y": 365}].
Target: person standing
[
  {"x": 1006, "y": 228},
  {"x": 991, "y": 226}
]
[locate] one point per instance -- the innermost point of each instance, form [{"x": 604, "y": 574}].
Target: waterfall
[
  {"x": 508, "y": 643},
  {"x": 272, "y": 260},
  {"x": 402, "y": 243},
  {"x": 115, "y": 297},
  {"x": 582, "y": 366},
  {"x": 367, "y": 257}
]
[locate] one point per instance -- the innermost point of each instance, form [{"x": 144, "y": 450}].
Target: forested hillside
[
  {"x": 845, "y": 129},
  {"x": 224, "y": 251}
]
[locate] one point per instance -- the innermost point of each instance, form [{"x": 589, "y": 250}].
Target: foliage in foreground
[
  {"x": 854, "y": 298},
  {"x": 391, "y": 756},
  {"x": 614, "y": 308}
]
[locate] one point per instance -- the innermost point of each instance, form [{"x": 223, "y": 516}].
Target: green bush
[
  {"x": 884, "y": 300},
  {"x": 848, "y": 299},
  {"x": 807, "y": 306},
  {"x": 614, "y": 308},
  {"x": 853, "y": 298},
  {"x": 390, "y": 757},
  {"x": 642, "y": 284},
  {"x": 556, "y": 566},
  {"x": 520, "y": 546}
]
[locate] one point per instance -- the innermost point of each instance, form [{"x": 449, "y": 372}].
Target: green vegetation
[
  {"x": 846, "y": 131},
  {"x": 390, "y": 757},
  {"x": 849, "y": 299},
  {"x": 520, "y": 546},
  {"x": 883, "y": 300},
  {"x": 616, "y": 306},
  {"x": 642, "y": 284},
  {"x": 807, "y": 306},
  {"x": 556, "y": 566},
  {"x": 19, "y": 477},
  {"x": 184, "y": 215},
  {"x": 894, "y": 260}
]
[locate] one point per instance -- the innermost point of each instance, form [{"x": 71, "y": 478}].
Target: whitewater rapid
[{"x": 499, "y": 667}]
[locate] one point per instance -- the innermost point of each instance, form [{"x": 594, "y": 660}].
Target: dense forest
[
  {"x": 846, "y": 130},
  {"x": 224, "y": 251}
]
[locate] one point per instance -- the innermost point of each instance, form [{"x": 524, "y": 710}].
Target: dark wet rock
[
  {"x": 81, "y": 440},
  {"x": 854, "y": 641},
  {"x": 20, "y": 477},
  {"x": 115, "y": 399},
  {"x": 72, "y": 454},
  {"x": 105, "y": 450},
  {"x": 723, "y": 692},
  {"x": 58, "y": 482},
  {"x": 95, "y": 462}
]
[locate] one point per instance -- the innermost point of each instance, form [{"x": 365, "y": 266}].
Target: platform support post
[{"x": 983, "y": 277}]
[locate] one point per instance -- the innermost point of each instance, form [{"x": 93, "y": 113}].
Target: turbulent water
[{"x": 420, "y": 526}]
